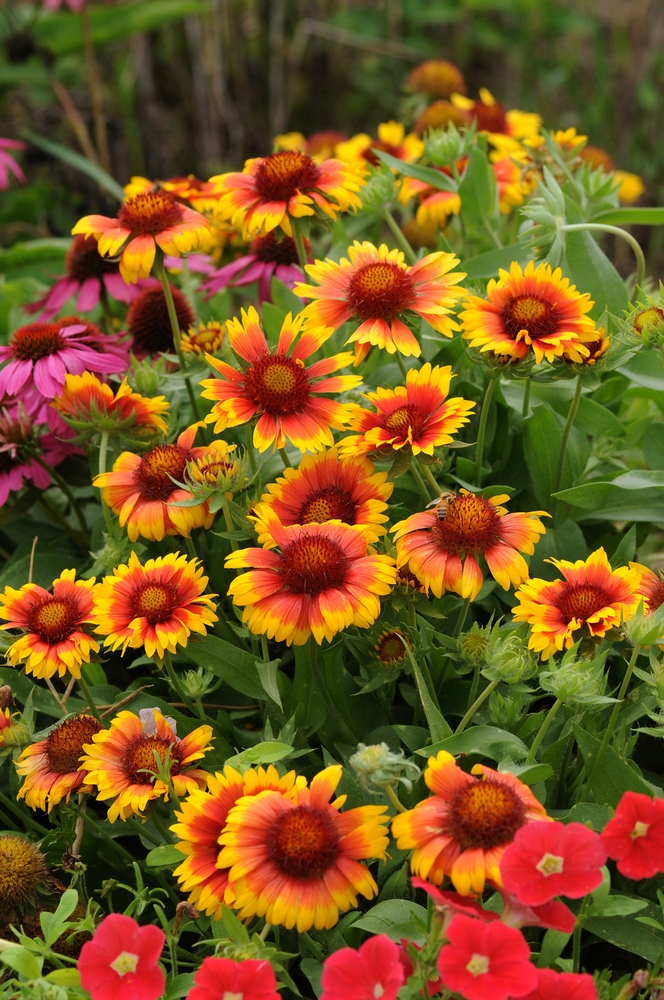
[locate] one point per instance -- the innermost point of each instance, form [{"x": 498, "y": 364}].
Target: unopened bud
[
  {"x": 379, "y": 189},
  {"x": 377, "y": 766},
  {"x": 509, "y": 659},
  {"x": 577, "y": 682},
  {"x": 473, "y": 644},
  {"x": 197, "y": 683},
  {"x": 147, "y": 376},
  {"x": 644, "y": 629}
]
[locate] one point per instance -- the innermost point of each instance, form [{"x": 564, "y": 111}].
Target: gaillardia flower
[
  {"x": 141, "y": 491},
  {"x": 417, "y": 417},
  {"x": 391, "y": 139},
  {"x": 277, "y": 387},
  {"x": 325, "y": 487},
  {"x": 288, "y": 184},
  {"x": 122, "y": 761},
  {"x": 534, "y": 309},
  {"x": 208, "y": 338},
  {"x": 295, "y": 861},
  {"x": 443, "y": 554},
  {"x": 376, "y": 288},
  {"x": 51, "y": 768},
  {"x": 435, "y": 205},
  {"x": 318, "y": 581},
  {"x": 52, "y": 623},
  {"x": 590, "y": 599},
  {"x": 437, "y": 78},
  {"x": 23, "y": 874},
  {"x": 157, "y": 605},
  {"x": 202, "y": 820},
  {"x": 87, "y": 404},
  {"x": 145, "y": 222},
  {"x": 462, "y": 830}
]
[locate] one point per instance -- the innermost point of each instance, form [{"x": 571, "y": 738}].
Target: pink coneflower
[
  {"x": 18, "y": 446},
  {"x": 8, "y": 164},
  {"x": 40, "y": 354},
  {"x": 268, "y": 257},
  {"x": 86, "y": 273},
  {"x": 55, "y": 4}
]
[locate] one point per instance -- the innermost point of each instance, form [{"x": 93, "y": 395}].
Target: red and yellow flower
[
  {"x": 590, "y": 599},
  {"x": 326, "y": 487},
  {"x": 5, "y": 725},
  {"x": 157, "y": 605},
  {"x": 121, "y": 762},
  {"x": 142, "y": 493},
  {"x": 207, "y": 339},
  {"x": 85, "y": 401},
  {"x": 54, "y": 640},
  {"x": 536, "y": 309},
  {"x": 288, "y": 184},
  {"x": 651, "y": 587},
  {"x": 51, "y": 768},
  {"x": 443, "y": 555},
  {"x": 437, "y": 78},
  {"x": 377, "y": 287},
  {"x": 417, "y": 417},
  {"x": 392, "y": 139},
  {"x": 463, "y": 829},
  {"x": 277, "y": 387},
  {"x": 317, "y": 581},
  {"x": 513, "y": 180},
  {"x": 296, "y": 860},
  {"x": 435, "y": 205},
  {"x": 147, "y": 221},
  {"x": 202, "y": 820}
]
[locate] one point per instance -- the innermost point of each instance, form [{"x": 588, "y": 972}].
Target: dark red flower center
[
  {"x": 392, "y": 647},
  {"x": 471, "y": 524},
  {"x": 655, "y": 596},
  {"x": 150, "y": 213},
  {"x": 154, "y": 601},
  {"x": 581, "y": 601},
  {"x": 490, "y": 117},
  {"x": 281, "y": 174},
  {"x": 380, "y": 290},
  {"x": 54, "y": 619},
  {"x": 313, "y": 563},
  {"x": 536, "y": 316},
  {"x": 485, "y": 814},
  {"x": 84, "y": 261},
  {"x": 407, "y": 420},
  {"x": 277, "y": 384},
  {"x": 157, "y": 465},
  {"x": 385, "y": 147},
  {"x": 648, "y": 319},
  {"x": 148, "y": 321},
  {"x": 273, "y": 251},
  {"x": 64, "y": 745},
  {"x": 303, "y": 842},
  {"x": 139, "y": 763},
  {"x": 37, "y": 340},
  {"x": 330, "y": 503}
]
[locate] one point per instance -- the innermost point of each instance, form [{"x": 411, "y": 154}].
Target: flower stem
[
  {"x": 228, "y": 518},
  {"x": 160, "y": 272},
  {"x": 627, "y": 237},
  {"x": 299, "y": 244},
  {"x": 542, "y": 731},
  {"x": 571, "y": 416},
  {"x": 402, "y": 366},
  {"x": 94, "y": 83},
  {"x": 479, "y": 701},
  {"x": 420, "y": 483},
  {"x": 394, "y": 798},
  {"x": 311, "y": 944},
  {"x": 175, "y": 683},
  {"x": 103, "y": 450},
  {"x": 397, "y": 232},
  {"x": 606, "y": 739},
  {"x": 578, "y": 927},
  {"x": 526, "y": 399},
  {"x": 428, "y": 474},
  {"x": 319, "y": 676},
  {"x": 438, "y": 727},
  {"x": 250, "y": 448},
  {"x": 481, "y": 431},
  {"x": 62, "y": 485},
  {"x": 191, "y": 547},
  {"x": 285, "y": 459},
  {"x": 87, "y": 694},
  {"x": 461, "y": 620}
]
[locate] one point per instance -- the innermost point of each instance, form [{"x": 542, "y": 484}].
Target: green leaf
[
  {"x": 653, "y": 446},
  {"x": 595, "y": 419},
  {"x": 397, "y": 918},
  {"x": 631, "y": 505},
  {"x": 486, "y": 265},
  {"x": 33, "y": 252},
  {"x": 588, "y": 496},
  {"x": 22, "y": 961},
  {"x": 564, "y": 541},
  {"x": 553, "y": 945},
  {"x": 615, "y": 776},
  {"x": 541, "y": 444},
  {"x": 268, "y": 674},
  {"x": 53, "y": 924},
  {"x": 632, "y": 216},
  {"x": 179, "y": 986},
  {"x": 478, "y": 188},
  {"x": 77, "y": 161},
  {"x": 646, "y": 369},
  {"x": 166, "y": 856},
  {"x": 235, "y": 666},
  {"x": 262, "y": 753},
  {"x": 626, "y": 549},
  {"x": 630, "y": 933},
  {"x": 592, "y": 271},
  {"x": 640, "y": 479},
  {"x": 529, "y": 774},
  {"x": 486, "y": 741},
  {"x": 622, "y": 906},
  {"x": 434, "y": 178},
  {"x": 64, "y": 977}
]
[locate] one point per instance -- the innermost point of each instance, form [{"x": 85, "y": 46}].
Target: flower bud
[
  {"x": 379, "y": 189},
  {"x": 377, "y": 766},
  {"x": 217, "y": 475},
  {"x": 197, "y": 683},
  {"x": 147, "y": 376},
  {"x": 473, "y": 645},
  {"x": 645, "y": 629},
  {"x": 506, "y": 711},
  {"x": 444, "y": 146},
  {"x": 509, "y": 659},
  {"x": 577, "y": 682}
]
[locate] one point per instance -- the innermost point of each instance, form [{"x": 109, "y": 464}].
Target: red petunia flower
[
  {"x": 486, "y": 961},
  {"x": 373, "y": 971},
  {"x": 121, "y": 961},
  {"x": 634, "y": 838},
  {"x": 449, "y": 904},
  {"x": 554, "y": 916},
  {"x": 224, "y": 979},
  {"x": 570, "y": 985},
  {"x": 552, "y": 859}
]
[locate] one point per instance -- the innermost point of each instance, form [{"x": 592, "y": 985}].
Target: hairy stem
[
  {"x": 160, "y": 272},
  {"x": 103, "y": 451},
  {"x": 397, "y": 232},
  {"x": 569, "y": 423},
  {"x": 479, "y": 701},
  {"x": 600, "y": 227},
  {"x": 542, "y": 731},
  {"x": 481, "y": 431}
]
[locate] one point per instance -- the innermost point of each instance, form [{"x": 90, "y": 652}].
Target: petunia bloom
[
  {"x": 552, "y": 859},
  {"x": 224, "y": 979},
  {"x": 378, "y": 290},
  {"x": 462, "y": 830},
  {"x": 486, "y": 961},
  {"x": 296, "y": 861},
  {"x": 277, "y": 387},
  {"x": 373, "y": 970},
  {"x": 267, "y": 258},
  {"x": 417, "y": 417},
  {"x": 318, "y": 580},
  {"x": 590, "y": 599},
  {"x": 53, "y": 640},
  {"x": 8, "y": 164},
  {"x": 51, "y": 768},
  {"x": 553, "y": 915},
  {"x": 443, "y": 555},
  {"x": 536, "y": 309},
  {"x": 553, "y": 985},
  {"x": 634, "y": 837},
  {"x": 122, "y": 761},
  {"x": 147, "y": 221},
  {"x": 122, "y": 959}
]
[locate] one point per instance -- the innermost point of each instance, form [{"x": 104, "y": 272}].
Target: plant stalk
[
  {"x": 103, "y": 451},
  {"x": 542, "y": 731},
  {"x": 397, "y": 232},
  {"x": 481, "y": 431},
  {"x": 479, "y": 701},
  {"x": 627, "y": 237},
  {"x": 319, "y": 676},
  {"x": 160, "y": 272},
  {"x": 298, "y": 239},
  {"x": 569, "y": 423},
  {"x": 64, "y": 486},
  {"x": 96, "y": 96}
]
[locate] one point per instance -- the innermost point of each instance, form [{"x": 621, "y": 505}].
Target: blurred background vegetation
[{"x": 195, "y": 86}]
